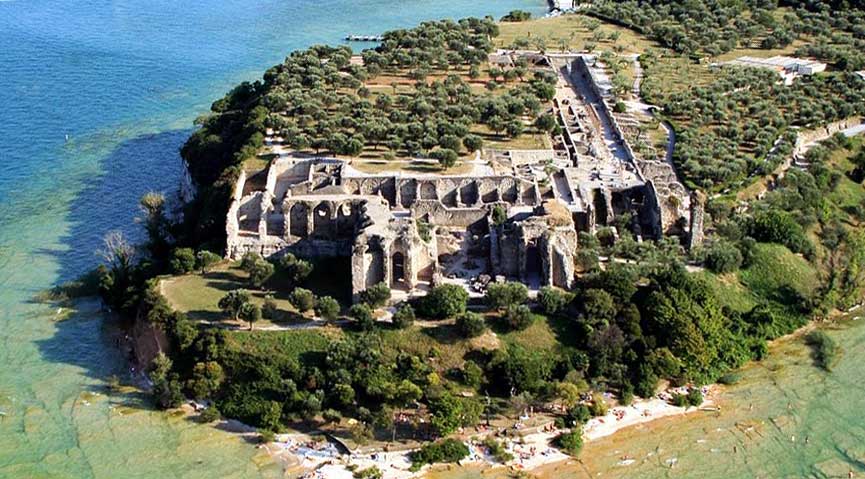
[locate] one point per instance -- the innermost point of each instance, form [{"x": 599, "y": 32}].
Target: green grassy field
[
  {"x": 775, "y": 272},
  {"x": 572, "y": 32},
  {"x": 198, "y": 295},
  {"x": 300, "y": 345},
  {"x": 731, "y": 293}
]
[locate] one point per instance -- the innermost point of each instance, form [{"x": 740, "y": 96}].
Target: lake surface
[{"x": 123, "y": 80}]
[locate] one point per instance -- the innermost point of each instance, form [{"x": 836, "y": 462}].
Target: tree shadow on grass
[{"x": 443, "y": 333}]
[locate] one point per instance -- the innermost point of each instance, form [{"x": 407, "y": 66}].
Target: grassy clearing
[
  {"x": 729, "y": 291},
  {"x": 775, "y": 272},
  {"x": 572, "y": 32},
  {"x": 530, "y": 140},
  {"x": 540, "y": 335},
  {"x": 441, "y": 343},
  {"x": 198, "y": 295},
  {"x": 300, "y": 345}
]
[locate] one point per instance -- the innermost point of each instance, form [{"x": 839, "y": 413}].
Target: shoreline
[{"x": 297, "y": 453}]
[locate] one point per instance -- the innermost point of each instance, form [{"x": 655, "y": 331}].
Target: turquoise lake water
[{"x": 123, "y": 80}]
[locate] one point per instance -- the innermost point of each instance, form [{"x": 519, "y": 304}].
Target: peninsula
[{"x": 493, "y": 240}]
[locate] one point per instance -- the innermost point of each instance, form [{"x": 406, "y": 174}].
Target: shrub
[
  {"x": 472, "y": 374},
  {"x": 446, "y": 450},
  {"x": 269, "y": 309},
  {"x": 497, "y": 451},
  {"x": 205, "y": 259},
  {"x": 694, "y": 397},
  {"x": 502, "y": 295},
  {"x": 627, "y": 396},
  {"x": 362, "y": 314},
  {"x": 375, "y": 296},
  {"x": 182, "y": 260},
  {"x": 519, "y": 317},
  {"x": 210, "y": 414},
  {"x": 679, "y": 400},
  {"x": 443, "y": 301},
  {"x": 232, "y": 302},
  {"x": 723, "y": 257},
  {"x": 302, "y": 299},
  {"x": 404, "y": 316},
  {"x": 445, "y": 156},
  {"x": 371, "y": 472},
  {"x": 553, "y": 300},
  {"x": 326, "y": 308},
  {"x": 499, "y": 215},
  {"x": 570, "y": 442},
  {"x": 598, "y": 407},
  {"x": 251, "y": 313},
  {"x": 470, "y": 325}
]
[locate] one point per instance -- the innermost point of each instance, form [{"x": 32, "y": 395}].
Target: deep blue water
[{"x": 124, "y": 80}]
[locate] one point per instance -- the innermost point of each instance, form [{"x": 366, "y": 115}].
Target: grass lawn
[
  {"x": 307, "y": 346},
  {"x": 530, "y": 140},
  {"x": 571, "y": 31},
  {"x": 776, "y": 272},
  {"x": 729, "y": 291},
  {"x": 198, "y": 295}
]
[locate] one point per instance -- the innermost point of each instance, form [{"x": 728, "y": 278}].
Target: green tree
[
  {"x": 473, "y": 143},
  {"x": 404, "y": 316},
  {"x": 232, "y": 302},
  {"x": 444, "y": 301},
  {"x": 326, "y": 308},
  {"x": 723, "y": 257},
  {"x": 182, "y": 260},
  {"x": 302, "y": 299},
  {"x": 570, "y": 442},
  {"x": 470, "y": 324},
  {"x": 519, "y": 316},
  {"x": 546, "y": 122},
  {"x": 204, "y": 260},
  {"x": 207, "y": 377},
  {"x": 251, "y": 313},
  {"x": 599, "y": 305},
  {"x": 362, "y": 315},
  {"x": 502, "y": 295},
  {"x": 376, "y": 295},
  {"x": 553, "y": 300},
  {"x": 445, "y": 156}
]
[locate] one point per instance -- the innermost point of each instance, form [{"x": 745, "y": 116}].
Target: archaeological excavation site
[{"x": 515, "y": 215}]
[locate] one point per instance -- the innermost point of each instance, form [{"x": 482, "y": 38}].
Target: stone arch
[
  {"x": 322, "y": 220},
  {"x": 345, "y": 219},
  {"x": 469, "y": 193},
  {"x": 428, "y": 191},
  {"x": 298, "y": 220},
  {"x": 375, "y": 265},
  {"x": 398, "y": 271}
]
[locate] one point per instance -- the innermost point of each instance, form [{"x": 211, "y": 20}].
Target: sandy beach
[{"x": 316, "y": 459}]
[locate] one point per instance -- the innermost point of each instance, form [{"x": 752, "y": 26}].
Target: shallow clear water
[{"x": 123, "y": 80}]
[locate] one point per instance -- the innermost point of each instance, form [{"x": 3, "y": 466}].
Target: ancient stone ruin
[{"x": 515, "y": 216}]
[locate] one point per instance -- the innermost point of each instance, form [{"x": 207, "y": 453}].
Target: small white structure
[
  {"x": 861, "y": 74},
  {"x": 787, "y": 67}
]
